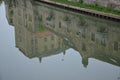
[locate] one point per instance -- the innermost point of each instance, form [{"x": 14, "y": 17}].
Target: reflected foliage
[{"x": 0, "y": 2}]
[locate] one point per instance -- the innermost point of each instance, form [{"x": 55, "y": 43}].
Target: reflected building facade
[
  {"x": 31, "y": 36},
  {"x": 42, "y": 30}
]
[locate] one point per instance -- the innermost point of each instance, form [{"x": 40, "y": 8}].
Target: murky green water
[{"x": 41, "y": 42}]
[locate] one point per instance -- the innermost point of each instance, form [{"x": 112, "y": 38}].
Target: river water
[{"x": 42, "y": 42}]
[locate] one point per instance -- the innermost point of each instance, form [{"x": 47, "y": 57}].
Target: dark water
[{"x": 41, "y": 42}]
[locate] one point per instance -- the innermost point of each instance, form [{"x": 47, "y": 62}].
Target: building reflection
[{"x": 42, "y": 30}]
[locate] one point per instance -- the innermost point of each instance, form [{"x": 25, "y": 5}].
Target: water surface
[{"x": 41, "y": 42}]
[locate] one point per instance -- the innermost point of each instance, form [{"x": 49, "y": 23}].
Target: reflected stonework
[{"x": 42, "y": 30}]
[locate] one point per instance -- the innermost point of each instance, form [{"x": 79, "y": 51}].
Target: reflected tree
[{"x": 0, "y": 2}]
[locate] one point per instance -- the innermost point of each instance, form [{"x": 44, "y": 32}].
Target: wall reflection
[{"x": 42, "y": 30}]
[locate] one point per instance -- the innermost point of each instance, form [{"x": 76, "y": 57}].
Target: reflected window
[
  {"x": 11, "y": 21},
  {"x": 45, "y": 48},
  {"x": 39, "y": 19},
  {"x": 59, "y": 24},
  {"x": 30, "y": 18},
  {"x": 83, "y": 35},
  {"x": 36, "y": 41},
  {"x": 26, "y": 16},
  {"x": 84, "y": 47},
  {"x": 77, "y": 33},
  {"x": 66, "y": 18},
  {"x": 19, "y": 21},
  {"x": 52, "y": 46},
  {"x": 102, "y": 30},
  {"x": 92, "y": 36},
  {"x": 32, "y": 41},
  {"x": 50, "y": 16},
  {"x": 11, "y": 13},
  {"x": 59, "y": 43},
  {"x": 45, "y": 39},
  {"x": 68, "y": 30},
  {"x": 116, "y": 46},
  {"x": 52, "y": 37},
  {"x": 19, "y": 13},
  {"x": 32, "y": 48},
  {"x": 103, "y": 42},
  {"x": 20, "y": 39}
]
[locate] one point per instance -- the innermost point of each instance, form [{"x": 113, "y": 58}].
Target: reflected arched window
[{"x": 116, "y": 46}]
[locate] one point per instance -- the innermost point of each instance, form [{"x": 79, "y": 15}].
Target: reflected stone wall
[
  {"x": 89, "y": 36},
  {"x": 42, "y": 30},
  {"x": 97, "y": 33},
  {"x": 31, "y": 36}
]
